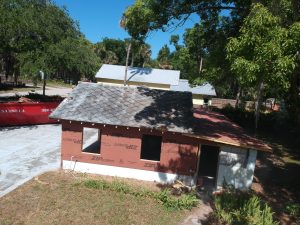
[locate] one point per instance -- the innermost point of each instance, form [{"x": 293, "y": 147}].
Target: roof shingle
[{"x": 128, "y": 106}]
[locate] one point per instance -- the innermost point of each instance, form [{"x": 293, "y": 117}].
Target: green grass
[
  {"x": 293, "y": 209},
  {"x": 164, "y": 197},
  {"x": 60, "y": 198}
]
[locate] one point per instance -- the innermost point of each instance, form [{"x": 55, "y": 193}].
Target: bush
[
  {"x": 242, "y": 208},
  {"x": 170, "y": 202},
  {"x": 293, "y": 209}
]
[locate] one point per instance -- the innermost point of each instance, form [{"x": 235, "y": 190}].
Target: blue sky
[{"x": 100, "y": 18}]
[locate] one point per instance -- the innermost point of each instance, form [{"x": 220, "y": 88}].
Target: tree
[
  {"x": 141, "y": 54},
  {"x": 71, "y": 57},
  {"x": 293, "y": 94},
  {"x": 29, "y": 28},
  {"x": 258, "y": 55},
  {"x": 205, "y": 42},
  {"x": 144, "y": 16},
  {"x": 111, "y": 51},
  {"x": 136, "y": 28},
  {"x": 195, "y": 42},
  {"x": 164, "y": 57}
]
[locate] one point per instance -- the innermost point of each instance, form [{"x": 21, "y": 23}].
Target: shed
[{"x": 152, "y": 135}]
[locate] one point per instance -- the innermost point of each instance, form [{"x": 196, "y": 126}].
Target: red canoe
[{"x": 26, "y": 113}]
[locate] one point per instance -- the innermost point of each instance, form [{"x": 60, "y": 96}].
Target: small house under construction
[{"x": 152, "y": 135}]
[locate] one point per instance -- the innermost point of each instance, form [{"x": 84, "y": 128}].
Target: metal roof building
[{"x": 136, "y": 74}]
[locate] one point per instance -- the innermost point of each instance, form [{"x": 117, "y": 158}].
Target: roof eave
[{"x": 265, "y": 148}]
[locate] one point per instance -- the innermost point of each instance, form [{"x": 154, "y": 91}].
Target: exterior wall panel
[
  {"x": 121, "y": 147},
  {"x": 236, "y": 167}
]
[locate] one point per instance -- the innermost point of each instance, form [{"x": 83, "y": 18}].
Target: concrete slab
[{"x": 27, "y": 151}]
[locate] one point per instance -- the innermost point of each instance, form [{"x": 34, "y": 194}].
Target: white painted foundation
[{"x": 127, "y": 172}]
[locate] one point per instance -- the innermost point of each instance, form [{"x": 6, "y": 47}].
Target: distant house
[
  {"x": 153, "y": 135},
  {"x": 154, "y": 79},
  {"x": 202, "y": 94},
  {"x": 151, "y": 78}
]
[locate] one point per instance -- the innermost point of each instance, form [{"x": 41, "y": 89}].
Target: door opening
[{"x": 208, "y": 166}]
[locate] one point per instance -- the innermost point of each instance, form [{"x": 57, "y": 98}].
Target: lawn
[{"x": 61, "y": 198}]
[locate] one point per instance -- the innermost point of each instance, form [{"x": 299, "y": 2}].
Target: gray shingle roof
[
  {"x": 136, "y": 74},
  {"x": 204, "y": 89},
  {"x": 128, "y": 106}
]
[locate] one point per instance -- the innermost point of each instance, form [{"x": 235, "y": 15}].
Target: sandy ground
[
  {"x": 64, "y": 92},
  {"x": 26, "y": 152}
]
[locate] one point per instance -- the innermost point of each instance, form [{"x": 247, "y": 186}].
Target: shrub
[
  {"x": 242, "y": 208},
  {"x": 293, "y": 209}
]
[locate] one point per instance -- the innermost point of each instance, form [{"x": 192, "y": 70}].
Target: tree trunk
[
  {"x": 126, "y": 67},
  {"x": 294, "y": 99},
  {"x": 44, "y": 85},
  {"x": 16, "y": 75},
  {"x": 258, "y": 105},
  {"x": 8, "y": 66},
  {"x": 200, "y": 65},
  {"x": 238, "y": 95},
  {"x": 132, "y": 59}
]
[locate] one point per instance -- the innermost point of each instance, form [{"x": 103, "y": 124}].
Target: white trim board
[{"x": 126, "y": 172}]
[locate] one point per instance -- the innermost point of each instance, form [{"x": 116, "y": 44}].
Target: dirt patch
[
  {"x": 276, "y": 182},
  {"x": 56, "y": 198}
]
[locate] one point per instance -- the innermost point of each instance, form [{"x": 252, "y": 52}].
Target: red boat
[{"x": 26, "y": 113}]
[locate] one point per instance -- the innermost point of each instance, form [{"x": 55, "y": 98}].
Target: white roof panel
[
  {"x": 136, "y": 74},
  {"x": 204, "y": 89}
]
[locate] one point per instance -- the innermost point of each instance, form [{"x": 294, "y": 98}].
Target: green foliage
[
  {"x": 113, "y": 51},
  {"x": 170, "y": 202},
  {"x": 278, "y": 122},
  {"x": 201, "y": 57},
  {"x": 293, "y": 209},
  {"x": 163, "y": 56},
  {"x": 148, "y": 15},
  {"x": 257, "y": 55},
  {"x": 242, "y": 208},
  {"x": 38, "y": 35},
  {"x": 136, "y": 20}
]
